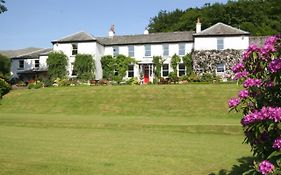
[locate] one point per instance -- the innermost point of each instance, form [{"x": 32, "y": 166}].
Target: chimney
[
  {"x": 111, "y": 32},
  {"x": 198, "y": 26},
  {"x": 146, "y": 32}
]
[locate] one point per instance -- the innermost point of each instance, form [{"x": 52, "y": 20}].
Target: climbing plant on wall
[
  {"x": 158, "y": 63},
  {"x": 57, "y": 62},
  {"x": 84, "y": 66},
  {"x": 187, "y": 61},
  {"x": 108, "y": 67}
]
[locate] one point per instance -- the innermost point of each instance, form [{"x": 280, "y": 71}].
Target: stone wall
[{"x": 207, "y": 60}]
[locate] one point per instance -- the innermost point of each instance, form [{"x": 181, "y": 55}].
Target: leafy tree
[
  {"x": 4, "y": 66},
  {"x": 121, "y": 67},
  {"x": 158, "y": 63},
  {"x": 84, "y": 66},
  {"x": 187, "y": 61},
  {"x": 3, "y": 8},
  {"x": 108, "y": 64},
  {"x": 57, "y": 62},
  {"x": 259, "y": 17}
]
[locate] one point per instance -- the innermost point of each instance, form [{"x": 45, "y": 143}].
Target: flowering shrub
[{"x": 260, "y": 101}]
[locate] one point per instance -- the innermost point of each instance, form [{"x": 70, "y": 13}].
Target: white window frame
[
  {"x": 165, "y": 71},
  {"x": 21, "y": 66},
  {"x": 166, "y": 49},
  {"x": 131, "y": 71},
  {"x": 220, "y": 43},
  {"x": 37, "y": 65},
  {"x": 182, "y": 70},
  {"x": 182, "y": 48},
  {"x": 115, "y": 51},
  {"x": 147, "y": 50},
  {"x": 131, "y": 51},
  {"x": 220, "y": 68},
  {"x": 74, "y": 49}
]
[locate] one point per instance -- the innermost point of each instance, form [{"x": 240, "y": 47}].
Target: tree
[
  {"x": 4, "y": 66},
  {"x": 57, "y": 62},
  {"x": 108, "y": 63},
  {"x": 84, "y": 66},
  {"x": 187, "y": 61},
  {"x": 3, "y": 8},
  {"x": 259, "y": 17}
]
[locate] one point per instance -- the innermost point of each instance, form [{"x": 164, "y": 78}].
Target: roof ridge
[{"x": 73, "y": 34}]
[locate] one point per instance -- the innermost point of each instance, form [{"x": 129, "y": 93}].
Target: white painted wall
[{"x": 230, "y": 42}]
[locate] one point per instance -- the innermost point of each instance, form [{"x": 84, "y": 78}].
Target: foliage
[
  {"x": 174, "y": 62},
  {"x": 260, "y": 101},
  {"x": 4, "y": 87},
  {"x": 158, "y": 63},
  {"x": 193, "y": 77},
  {"x": 35, "y": 85},
  {"x": 3, "y": 8},
  {"x": 84, "y": 66},
  {"x": 187, "y": 61},
  {"x": 57, "y": 62},
  {"x": 108, "y": 63},
  {"x": 173, "y": 77},
  {"x": 133, "y": 81},
  {"x": 206, "y": 77},
  {"x": 259, "y": 17},
  {"x": 121, "y": 67},
  {"x": 62, "y": 82},
  {"x": 5, "y": 65}
]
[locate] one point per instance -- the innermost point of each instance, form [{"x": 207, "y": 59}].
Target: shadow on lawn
[{"x": 245, "y": 164}]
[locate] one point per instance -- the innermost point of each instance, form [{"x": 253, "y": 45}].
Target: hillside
[
  {"x": 14, "y": 53},
  {"x": 259, "y": 17}
]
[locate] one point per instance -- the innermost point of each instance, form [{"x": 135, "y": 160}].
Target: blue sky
[{"x": 35, "y": 23}]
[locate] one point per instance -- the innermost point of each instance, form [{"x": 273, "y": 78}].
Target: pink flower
[
  {"x": 265, "y": 167},
  {"x": 240, "y": 75},
  {"x": 277, "y": 144},
  {"x": 243, "y": 94},
  {"x": 275, "y": 65},
  {"x": 238, "y": 68},
  {"x": 233, "y": 102},
  {"x": 251, "y": 82}
]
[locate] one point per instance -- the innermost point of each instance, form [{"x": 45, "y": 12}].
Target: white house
[{"x": 141, "y": 47}]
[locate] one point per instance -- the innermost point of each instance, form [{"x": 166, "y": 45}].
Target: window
[
  {"x": 182, "y": 49},
  {"x": 165, "y": 49},
  {"x": 21, "y": 64},
  {"x": 115, "y": 51},
  {"x": 131, "y": 50},
  {"x": 220, "y": 68},
  {"x": 220, "y": 44},
  {"x": 74, "y": 49},
  {"x": 181, "y": 69},
  {"x": 165, "y": 70},
  {"x": 131, "y": 70},
  {"x": 37, "y": 63},
  {"x": 147, "y": 49}
]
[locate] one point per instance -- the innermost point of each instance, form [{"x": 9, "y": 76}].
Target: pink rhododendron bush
[{"x": 260, "y": 73}]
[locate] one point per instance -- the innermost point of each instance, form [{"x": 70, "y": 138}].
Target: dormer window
[
  {"x": 74, "y": 49},
  {"x": 220, "y": 44}
]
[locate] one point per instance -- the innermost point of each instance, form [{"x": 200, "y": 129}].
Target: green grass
[{"x": 176, "y": 129}]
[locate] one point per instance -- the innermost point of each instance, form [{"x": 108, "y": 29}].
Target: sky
[{"x": 35, "y": 23}]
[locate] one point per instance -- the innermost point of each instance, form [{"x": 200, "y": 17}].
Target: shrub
[
  {"x": 193, "y": 77},
  {"x": 61, "y": 82},
  {"x": 173, "y": 77},
  {"x": 4, "y": 87},
  {"x": 5, "y": 65},
  {"x": 187, "y": 61},
  {"x": 133, "y": 81},
  {"x": 35, "y": 85},
  {"x": 108, "y": 64},
  {"x": 260, "y": 101},
  {"x": 207, "y": 77},
  {"x": 158, "y": 63}
]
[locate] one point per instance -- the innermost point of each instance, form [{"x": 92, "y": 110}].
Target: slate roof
[
  {"x": 80, "y": 36},
  {"x": 221, "y": 29},
  {"x": 168, "y": 37},
  {"x": 34, "y": 54}
]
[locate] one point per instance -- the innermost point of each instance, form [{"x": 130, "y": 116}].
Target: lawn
[{"x": 142, "y": 130}]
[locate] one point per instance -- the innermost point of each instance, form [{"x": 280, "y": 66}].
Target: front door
[{"x": 145, "y": 73}]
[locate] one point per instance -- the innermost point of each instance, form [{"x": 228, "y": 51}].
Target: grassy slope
[{"x": 120, "y": 130}]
